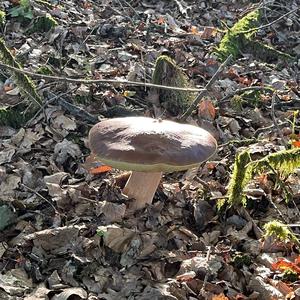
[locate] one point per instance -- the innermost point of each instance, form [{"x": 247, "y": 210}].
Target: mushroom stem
[{"x": 142, "y": 186}]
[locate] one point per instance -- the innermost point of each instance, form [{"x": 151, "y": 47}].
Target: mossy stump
[{"x": 167, "y": 73}]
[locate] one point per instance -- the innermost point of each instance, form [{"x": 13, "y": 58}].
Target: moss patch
[
  {"x": 42, "y": 24},
  {"x": 2, "y": 17},
  {"x": 240, "y": 38},
  {"x": 15, "y": 116}
]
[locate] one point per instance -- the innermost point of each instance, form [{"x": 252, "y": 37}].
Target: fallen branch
[
  {"x": 193, "y": 106},
  {"x": 98, "y": 81}
]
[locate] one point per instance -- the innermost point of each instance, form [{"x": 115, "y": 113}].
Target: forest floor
[{"x": 66, "y": 233}]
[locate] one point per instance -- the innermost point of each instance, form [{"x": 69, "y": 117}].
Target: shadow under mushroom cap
[{"x": 146, "y": 144}]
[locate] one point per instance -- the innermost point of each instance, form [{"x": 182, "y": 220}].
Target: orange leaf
[
  {"x": 160, "y": 21},
  {"x": 285, "y": 97},
  {"x": 100, "y": 169},
  {"x": 219, "y": 297},
  {"x": 296, "y": 144},
  {"x": 194, "y": 30},
  {"x": 244, "y": 80},
  {"x": 94, "y": 166},
  {"x": 8, "y": 87},
  {"x": 283, "y": 264},
  {"x": 206, "y": 110},
  {"x": 210, "y": 165}
]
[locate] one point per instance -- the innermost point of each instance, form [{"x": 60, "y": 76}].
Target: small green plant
[
  {"x": 100, "y": 232},
  {"x": 23, "y": 11},
  {"x": 45, "y": 70},
  {"x": 280, "y": 232},
  {"x": 290, "y": 275}
]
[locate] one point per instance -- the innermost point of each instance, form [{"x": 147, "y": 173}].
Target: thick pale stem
[{"x": 142, "y": 186}]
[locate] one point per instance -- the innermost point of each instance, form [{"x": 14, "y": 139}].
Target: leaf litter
[{"x": 67, "y": 234}]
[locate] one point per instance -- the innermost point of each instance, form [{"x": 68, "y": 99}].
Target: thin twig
[
  {"x": 262, "y": 129},
  {"x": 202, "y": 291},
  {"x": 41, "y": 196},
  {"x": 274, "y": 97},
  {"x": 98, "y": 81},
  {"x": 185, "y": 115}
]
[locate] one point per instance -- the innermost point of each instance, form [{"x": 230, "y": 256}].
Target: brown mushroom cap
[{"x": 150, "y": 145}]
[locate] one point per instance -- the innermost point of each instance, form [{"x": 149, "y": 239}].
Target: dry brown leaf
[
  {"x": 208, "y": 33},
  {"x": 206, "y": 110}
]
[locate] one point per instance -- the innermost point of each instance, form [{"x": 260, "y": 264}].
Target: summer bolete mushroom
[{"x": 148, "y": 147}]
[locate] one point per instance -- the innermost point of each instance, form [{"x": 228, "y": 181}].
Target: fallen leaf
[
  {"x": 296, "y": 144},
  {"x": 194, "y": 30},
  {"x": 208, "y": 33},
  {"x": 283, "y": 264},
  {"x": 94, "y": 166},
  {"x": 186, "y": 276},
  {"x": 206, "y": 110},
  {"x": 219, "y": 297}
]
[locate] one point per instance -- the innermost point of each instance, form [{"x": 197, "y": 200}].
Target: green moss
[
  {"x": 241, "y": 260},
  {"x": 167, "y": 73},
  {"x": 42, "y": 24},
  {"x": 280, "y": 232},
  {"x": 25, "y": 84},
  {"x": 45, "y": 70},
  {"x": 235, "y": 39},
  {"x": 240, "y": 38},
  {"x": 241, "y": 175},
  {"x": 236, "y": 103},
  {"x": 14, "y": 116},
  {"x": 2, "y": 17},
  {"x": 284, "y": 162}
]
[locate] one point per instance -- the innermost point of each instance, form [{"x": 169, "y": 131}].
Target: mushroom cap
[{"x": 150, "y": 145}]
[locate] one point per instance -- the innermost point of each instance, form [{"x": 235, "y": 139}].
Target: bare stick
[
  {"x": 204, "y": 92},
  {"x": 274, "y": 98},
  {"x": 99, "y": 81},
  {"x": 41, "y": 196}
]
